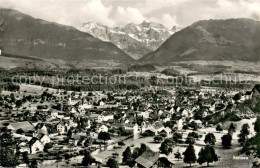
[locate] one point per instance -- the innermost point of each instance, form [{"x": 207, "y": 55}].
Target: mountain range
[
  {"x": 210, "y": 40},
  {"x": 134, "y": 39},
  {"x": 23, "y": 35},
  {"x": 30, "y": 42}
]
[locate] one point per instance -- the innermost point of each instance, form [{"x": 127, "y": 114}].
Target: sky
[{"x": 113, "y": 13}]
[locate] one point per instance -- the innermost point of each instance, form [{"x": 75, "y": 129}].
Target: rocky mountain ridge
[
  {"x": 211, "y": 40},
  {"x": 135, "y": 39},
  {"x": 24, "y": 35}
]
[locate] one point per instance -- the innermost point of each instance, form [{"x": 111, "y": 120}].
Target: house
[
  {"x": 35, "y": 145},
  {"x": 167, "y": 131},
  {"x": 151, "y": 159},
  {"x": 25, "y": 126},
  {"x": 24, "y": 147},
  {"x": 93, "y": 135},
  {"x": 166, "y": 116},
  {"x": 88, "y": 124},
  {"x": 75, "y": 139},
  {"x": 54, "y": 114},
  {"x": 42, "y": 129},
  {"x": 145, "y": 126},
  {"x": 198, "y": 122},
  {"x": 73, "y": 109},
  {"x": 248, "y": 95},
  {"x": 61, "y": 128},
  {"x": 160, "y": 112},
  {"x": 102, "y": 118},
  {"x": 179, "y": 124},
  {"x": 85, "y": 106},
  {"x": 172, "y": 110},
  {"x": 73, "y": 101},
  {"x": 132, "y": 128},
  {"x": 144, "y": 114},
  {"x": 72, "y": 124},
  {"x": 43, "y": 138},
  {"x": 103, "y": 128},
  {"x": 101, "y": 103},
  {"x": 157, "y": 127},
  {"x": 185, "y": 113}
]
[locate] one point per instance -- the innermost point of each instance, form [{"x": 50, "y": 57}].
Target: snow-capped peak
[
  {"x": 135, "y": 39},
  {"x": 91, "y": 25}
]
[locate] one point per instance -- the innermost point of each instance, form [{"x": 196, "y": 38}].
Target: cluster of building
[{"x": 71, "y": 119}]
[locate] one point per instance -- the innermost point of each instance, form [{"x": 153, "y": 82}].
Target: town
[
  {"x": 148, "y": 127},
  {"x": 129, "y": 83}
]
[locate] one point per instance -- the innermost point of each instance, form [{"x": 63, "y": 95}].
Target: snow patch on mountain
[{"x": 135, "y": 39}]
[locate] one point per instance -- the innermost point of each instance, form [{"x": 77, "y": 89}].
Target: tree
[
  {"x": 34, "y": 164},
  {"x": 177, "y": 155},
  {"x": 88, "y": 142},
  {"x": 191, "y": 138},
  {"x": 19, "y": 103},
  {"x": 25, "y": 157},
  {"x": 207, "y": 155},
  {"x": 135, "y": 153},
  {"x": 20, "y": 131},
  {"x": 166, "y": 146},
  {"x": 112, "y": 163},
  {"x": 7, "y": 156},
  {"x": 176, "y": 137},
  {"x": 243, "y": 136},
  {"x": 226, "y": 141},
  {"x": 210, "y": 139},
  {"x": 12, "y": 97},
  {"x": 158, "y": 139},
  {"x": 127, "y": 156},
  {"x": 87, "y": 159},
  {"x": 47, "y": 146},
  {"x": 194, "y": 125},
  {"x": 104, "y": 136},
  {"x": 185, "y": 127},
  {"x": 237, "y": 97},
  {"x": 142, "y": 149},
  {"x": 189, "y": 155},
  {"x": 257, "y": 125},
  {"x": 69, "y": 134},
  {"x": 198, "y": 115},
  {"x": 169, "y": 124},
  {"x": 232, "y": 128},
  {"x": 219, "y": 128}
]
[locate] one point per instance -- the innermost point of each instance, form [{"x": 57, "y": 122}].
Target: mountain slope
[
  {"x": 26, "y": 36},
  {"x": 232, "y": 39},
  {"x": 135, "y": 39}
]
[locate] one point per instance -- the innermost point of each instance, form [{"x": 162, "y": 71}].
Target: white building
[
  {"x": 43, "y": 138},
  {"x": 102, "y": 118},
  {"x": 103, "y": 128},
  {"x": 54, "y": 114},
  {"x": 179, "y": 124},
  {"x": 132, "y": 127},
  {"x": 61, "y": 128},
  {"x": 35, "y": 146}
]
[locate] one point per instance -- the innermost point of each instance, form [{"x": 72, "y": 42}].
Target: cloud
[
  {"x": 224, "y": 4},
  {"x": 128, "y": 15},
  {"x": 167, "y": 20},
  {"x": 118, "y": 13},
  {"x": 69, "y": 12},
  {"x": 96, "y": 11}
]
